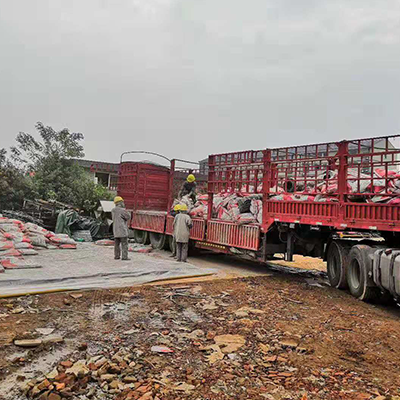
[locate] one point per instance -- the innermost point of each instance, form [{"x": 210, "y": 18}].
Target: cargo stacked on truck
[
  {"x": 148, "y": 189},
  {"x": 337, "y": 201}
]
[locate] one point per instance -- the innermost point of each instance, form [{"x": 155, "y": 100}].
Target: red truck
[{"x": 339, "y": 201}]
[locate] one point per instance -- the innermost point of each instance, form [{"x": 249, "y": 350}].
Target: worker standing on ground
[
  {"x": 120, "y": 217},
  {"x": 189, "y": 188},
  {"x": 182, "y": 226},
  {"x": 174, "y": 213}
]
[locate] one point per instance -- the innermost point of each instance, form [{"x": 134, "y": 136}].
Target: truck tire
[
  {"x": 359, "y": 280},
  {"x": 171, "y": 243},
  {"x": 337, "y": 263},
  {"x": 141, "y": 237},
  {"x": 158, "y": 240}
]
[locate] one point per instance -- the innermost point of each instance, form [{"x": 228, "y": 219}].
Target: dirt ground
[{"x": 276, "y": 336}]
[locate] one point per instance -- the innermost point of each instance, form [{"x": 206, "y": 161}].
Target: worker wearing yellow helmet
[
  {"x": 174, "y": 212},
  {"x": 120, "y": 217},
  {"x": 189, "y": 188},
  {"x": 182, "y": 226}
]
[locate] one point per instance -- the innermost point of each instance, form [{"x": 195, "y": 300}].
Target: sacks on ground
[
  {"x": 140, "y": 248},
  {"x": 8, "y": 236},
  {"x": 38, "y": 240},
  {"x": 6, "y": 245},
  {"x": 12, "y": 262},
  {"x": 67, "y": 246},
  {"x": 62, "y": 235},
  {"x": 23, "y": 245},
  {"x": 62, "y": 239},
  {"x": 31, "y": 227},
  {"x": 105, "y": 242},
  {"x": 10, "y": 228},
  {"x": 10, "y": 253},
  {"x": 20, "y": 237},
  {"x": 8, "y": 221},
  {"x": 28, "y": 252}
]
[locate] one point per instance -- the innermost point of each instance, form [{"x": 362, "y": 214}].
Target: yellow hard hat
[
  {"x": 177, "y": 207},
  {"x": 183, "y": 207},
  {"x": 191, "y": 178},
  {"x": 118, "y": 199}
]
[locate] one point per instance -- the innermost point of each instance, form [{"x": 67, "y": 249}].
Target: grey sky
[{"x": 187, "y": 78}]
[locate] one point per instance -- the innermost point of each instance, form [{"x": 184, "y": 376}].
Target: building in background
[
  {"x": 103, "y": 173},
  {"x": 203, "y": 166}
]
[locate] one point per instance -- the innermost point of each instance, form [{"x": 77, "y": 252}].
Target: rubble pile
[
  {"x": 19, "y": 239},
  {"x": 184, "y": 342}
]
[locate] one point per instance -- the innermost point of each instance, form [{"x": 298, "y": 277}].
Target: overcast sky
[{"x": 187, "y": 78}]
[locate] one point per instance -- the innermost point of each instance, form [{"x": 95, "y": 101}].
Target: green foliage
[
  {"x": 88, "y": 193},
  {"x": 54, "y": 147},
  {"x": 14, "y": 184},
  {"x": 54, "y": 173}
]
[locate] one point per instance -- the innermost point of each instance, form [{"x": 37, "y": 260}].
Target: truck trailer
[{"x": 337, "y": 201}]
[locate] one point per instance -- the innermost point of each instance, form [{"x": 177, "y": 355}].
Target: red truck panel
[
  {"x": 196, "y": 233},
  {"x": 231, "y": 234},
  {"x": 144, "y": 186},
  {"x": 346, "y": 176},
  {"x": 350, "y": 174},
  {"x": 148, "y": 221},
  {"x": 236, "y": 172}
]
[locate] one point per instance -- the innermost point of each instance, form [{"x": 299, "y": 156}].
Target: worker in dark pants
[
  {"x": 120, "y": 217},
  {"x": 189, "y": 188},
  {"x": 182, "y": 226},
  {"x": 174, "y": 213}
]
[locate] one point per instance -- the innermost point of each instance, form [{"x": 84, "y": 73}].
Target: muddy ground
[{"x": 275, "y": 336}]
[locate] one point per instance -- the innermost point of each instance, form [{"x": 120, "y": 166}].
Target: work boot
[
  {"x": 116, "y": 258},
  {"x": 126, "y": 259}
]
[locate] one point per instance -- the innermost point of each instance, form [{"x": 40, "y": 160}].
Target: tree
[
  {"x": 55, "y": 175},
  {"x": 14, "y": 185}
]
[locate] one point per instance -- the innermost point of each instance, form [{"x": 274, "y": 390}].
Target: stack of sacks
[
  {"x": 304, "y": 197},
  {"x": 245, "y": 207},
  {"x": 233, "y": 207},
  {"x": 18, "y": 239},
  {"x": 200, "y": 209},
  {"x": 373, "y": 188}
]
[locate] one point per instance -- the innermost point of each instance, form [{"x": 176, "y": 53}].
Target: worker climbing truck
[{"x": 338, "y": 201}]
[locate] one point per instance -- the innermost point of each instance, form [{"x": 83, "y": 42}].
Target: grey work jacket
[
  {"x": 120, "y": 217},
  {"x": 182, "y": 226}
]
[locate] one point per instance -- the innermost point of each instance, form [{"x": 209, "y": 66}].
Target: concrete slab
[{"x": 92, "y": 266}]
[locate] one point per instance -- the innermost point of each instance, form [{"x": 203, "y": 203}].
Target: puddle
[
  {"x": 189, "y": 313},
  {"x": 311, "y": 273},
  {"x": 119, "y": 311},
  {"x": 11, "y": 388}
]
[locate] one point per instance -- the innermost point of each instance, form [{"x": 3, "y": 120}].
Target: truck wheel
[
  {"x": 359, "y": 268},
  {"x": 337, "y": 262},
  {"x": 141, "y": 237},
  {"x": 171, "y": 244},
  {"x": 157, "y": 240}
]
